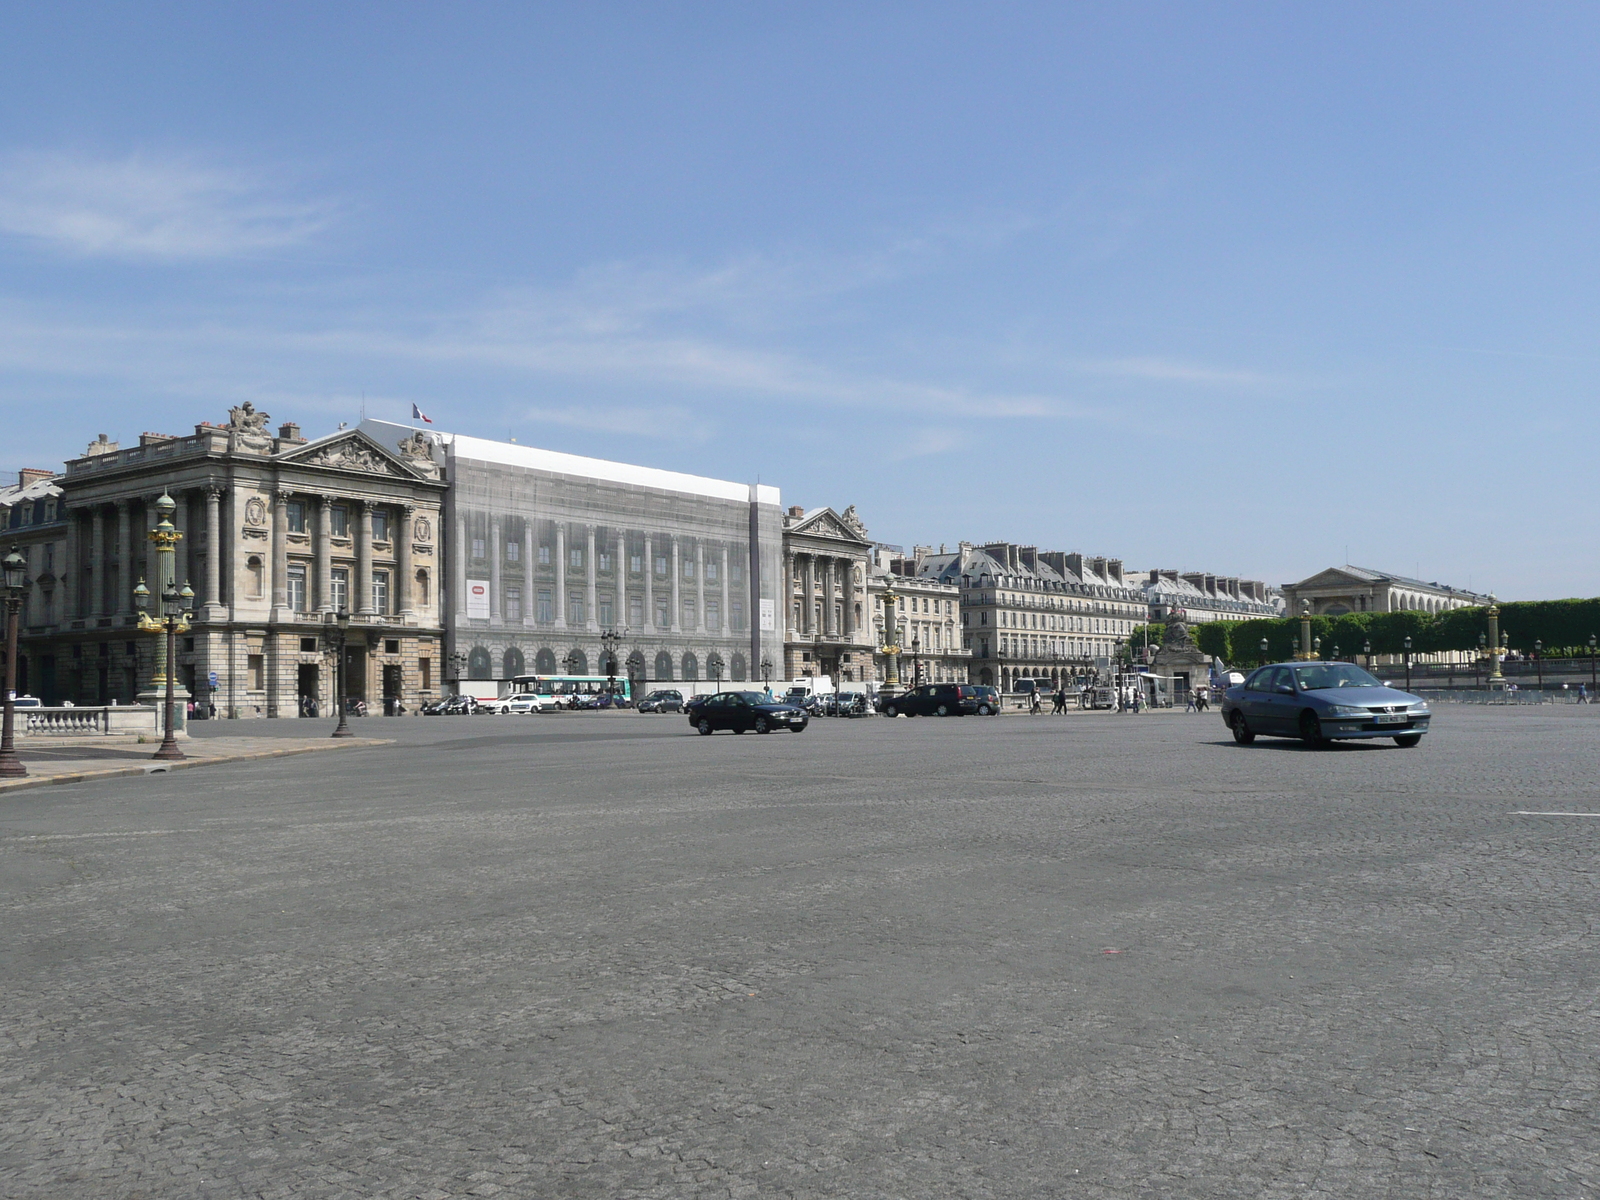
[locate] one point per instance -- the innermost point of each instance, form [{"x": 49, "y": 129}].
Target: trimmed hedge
[{"x": 1564, "y": 626}]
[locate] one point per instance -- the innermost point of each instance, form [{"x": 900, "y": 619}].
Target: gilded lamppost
[
  {"x": 1264, "y": 650},
  {"x": 1366, "y": 651},
  {"x": 1408, "y": 663},
  {"x": 172, "y": 620},
  {"x": 338, "y": 634},
  {"x": 891, "y": 643},
  {"x": 1592, "y": 685},
  {"x": 1538, "y": 658},
  {"x": 608, "y": 649},
  {"x": 16, "y": 581},
  {"x": 1306, "y": 654},
  {"x": 1494, "y": 643}
]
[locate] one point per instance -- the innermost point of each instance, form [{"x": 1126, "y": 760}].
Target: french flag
[{"x": 418, "y": 415}]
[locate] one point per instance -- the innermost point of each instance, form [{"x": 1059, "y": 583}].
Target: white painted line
[{"x": 1554, "y": 814}]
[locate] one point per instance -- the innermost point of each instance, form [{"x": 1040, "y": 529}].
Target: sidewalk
[{"x": 75, "y": 760}]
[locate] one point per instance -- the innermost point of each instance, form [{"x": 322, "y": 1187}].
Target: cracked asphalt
[{"x": 598, "y": 956}]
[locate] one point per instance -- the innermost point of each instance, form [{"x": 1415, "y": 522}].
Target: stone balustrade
[{"x": 89, "y": 722}]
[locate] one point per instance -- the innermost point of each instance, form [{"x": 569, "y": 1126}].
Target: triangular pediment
[
  {"x": 824, "y": 522},
  {"x": 1334, "y": 577},
  {"x": 351, "y": 450}
]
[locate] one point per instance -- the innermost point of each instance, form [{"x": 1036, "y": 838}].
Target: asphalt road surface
[{"x": 599, "y": 956}]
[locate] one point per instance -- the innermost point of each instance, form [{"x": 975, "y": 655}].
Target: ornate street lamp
[
  {"x": 714, "y": 665},
  {"x": 1316, "y": 648},
  {"x": 1408, "y": 663},
  {"x": 1305, "y": 632},
  {"x": 608, "y": 650},
  {"x": 16, "y": 582},
  {"x": 1264, "y": 646},
  {"x": 916, "y": 662},
  {"x": 1494, "y": 643},
  {"x": 338, "y": 632},
  {"x": 1592, "y": 686},
  {"x": 172, "y": 618},
  {"x": 891, "y": 643},
  {"x": 1366, "y": 650},
  {"x": 1538, "y": 658},
  {"x": 766, "y": 673},
  {"x": 1336, "y": 652}
]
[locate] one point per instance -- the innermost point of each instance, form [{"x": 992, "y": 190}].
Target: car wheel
[
  {"x": 891, "y": 711},
  {"x": 1408, "y": 740},
  {"x": 1242, "y": 733},
  {"x": 1311, "y": 729},
  {"x": 705, "y": 728},
  {"x": 762, "y": 725},
  {"x": 983, "y": 710},
  {"x": 944, "y": 710}
]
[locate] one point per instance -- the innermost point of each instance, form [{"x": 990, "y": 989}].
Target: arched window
[
  {"x": 691, "y": 665},
  {"x": 511, "y": 663},
  {"x": 478, "y": 663},
  {"x": 737, "y": 671},
  {"x": 576, "y": 662},
  {"x": 664, "y": 666},
  {"x": 544, "y": 662},
  {"x": 986, "y": 677}
]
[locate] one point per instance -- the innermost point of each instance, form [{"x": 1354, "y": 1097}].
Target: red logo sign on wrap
[{"x": 478, "y": 599}]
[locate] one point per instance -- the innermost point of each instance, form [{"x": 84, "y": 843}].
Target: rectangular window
[
  {"x": 736, "y": 571},
  {"x": 380, "y": 524},
  {"x": 736, "y": 614},
  {"x": 513, "y": 551},
  {"x": 425, "y": 670},
  {"x": 636, "y": 611},
  {"x": 255, "y": 666},
  {"x": 295, "y": 513},
  {"x": 688, "y": 568},
  {"x": 546, "y": 612},
  {"x": 308, "y": 645},
  {"x": 605, "y": 614},
  {"x": 713, "y": 614},
  {"x": 663, "y": 617},
  {"x": 297, "y": 589},
  {"x": 380, "y": 591},
  {"x": 575, "y": 558},
  {"x": 636, "y": 563},
  {"x": 477, "y": 547},
  {"x": 661, "y": 565},
  {"x": 688, "y": 612},
  {"x": 575, "y": 607},
  {"x": 544, "y": 556},
  {"x": 513, "y": 604},
  {"x": 605, "y": 560},
  {"x": 341, "y": 521},
  {"x": 340, "y": 588},
  {"x": 711, "y": 571}
]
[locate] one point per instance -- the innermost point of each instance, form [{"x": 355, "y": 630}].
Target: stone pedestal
[{"x": 180, "y": 709}]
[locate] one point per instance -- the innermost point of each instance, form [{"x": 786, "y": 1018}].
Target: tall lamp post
[
  {"x": 714, "y": 665},
  {"x": 16, "y": 580},
  {"x": 1264, "y": 648},
  {"x": 458, "y": 664},
  {"x": 1366, "y": 652},
  {"x": 1494, "y": 643},
  {"x": 1592, "y": 685},
  {"x": 608, "y": 648},
  {"x": 1408, "y": 663},
  {"x": 916, "y": 661},
  {"x": 891, "y": 643},
  {"x": 173, "y": 620},
  {"x": 338, "y": 632},
  {"x": 766, "y": 673},
  {"x": 1538, "y": 658}
]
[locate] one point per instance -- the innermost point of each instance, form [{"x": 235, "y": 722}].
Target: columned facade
[{"x": 828, "y": 629}]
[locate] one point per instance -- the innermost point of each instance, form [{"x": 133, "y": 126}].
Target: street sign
[{"x": 213, "y": 678}]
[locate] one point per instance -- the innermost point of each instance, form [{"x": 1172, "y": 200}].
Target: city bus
[{"x": 570, "y": 691}]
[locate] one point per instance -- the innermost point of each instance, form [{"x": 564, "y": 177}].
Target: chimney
[
  {"x": 101, "y": 445},
  {"x": 1074, "y": 563},
  {"x": 796, "y": 511},
  {"x": 31, "y": 475},
  {"x": 156, "y": 439},
  {"x": 289, "y": 432},
  {"x": 1114, "y": 568},
  {"x": 1097, "y": 566},
  {"x": 1195, "y": 580},
  {"x": 1029, "y": 555}
]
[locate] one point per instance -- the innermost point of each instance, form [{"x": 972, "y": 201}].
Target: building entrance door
[
  {"x": 306, "y": 689},
  {"x": 355, "y": 672},
  {"x": 391, "y": 689}
]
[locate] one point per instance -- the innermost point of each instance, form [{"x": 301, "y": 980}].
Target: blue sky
[{"x": 1253, "y": 289}]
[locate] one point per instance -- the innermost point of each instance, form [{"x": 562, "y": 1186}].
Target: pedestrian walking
[
  {"x": 1583, "y": 693},
  {"x": 1060, "y": 699},
  {"x": 1188, "y": 702},
  {"x": 1034, "y": 708}
]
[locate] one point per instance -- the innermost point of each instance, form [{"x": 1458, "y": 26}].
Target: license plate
[{"x": 1389, "y": 719}]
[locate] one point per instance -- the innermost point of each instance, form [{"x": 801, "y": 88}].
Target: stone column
[
  {"x": 124, "y": 598},
  {"x": 649, "y": 583},
  {"x": 561, "y": 574},
  {"x": 495, "y": 555},
  {"x": 280, "y": 552},
  {"x": 808, "y": 587},
  {"x": 677, "y": 573},
  {"x": 405, "y": 524},
  {"x": 785, "y": 598},
  {"x": 830, "y": 578},
  {"x": 364, "y": 559},
  {"x": 848, "y": 630},
  {"x": 213, "y": 583},
  {"x": 700, "y": 585},
  {"x": 463, "y": 551},
  {"x": 592, "y": 595},
  {"x": 325, "y": 554},
  {"x": 722, "y": 574},
  {"x": 530, "y": 594},
  {"x": 619, "y": 583},
  {"x": 71, "y": 569},
  {"x": 181, "y": 571},
  {"x": 97, "y": 555}
]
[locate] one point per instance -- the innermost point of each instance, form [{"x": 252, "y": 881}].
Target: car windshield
[
  {"x": 1332, "y": 675},
  {"x": 751, "y": 697}
]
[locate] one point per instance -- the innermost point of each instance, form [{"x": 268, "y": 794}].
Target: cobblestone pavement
[{"x": 1102, "y": 957}]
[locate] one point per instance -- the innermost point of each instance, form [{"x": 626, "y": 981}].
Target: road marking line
[{"x": 1554, "y": 814}]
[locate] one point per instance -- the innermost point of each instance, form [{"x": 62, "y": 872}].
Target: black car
[
  {"x": 739, "y": 711},
  {"x": 939, "y": 700},
  {"x": 664, "y": 700}
]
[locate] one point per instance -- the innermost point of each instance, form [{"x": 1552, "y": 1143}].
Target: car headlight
[
  {"x": 1346, "y": 710},
  {"x": 1421, "y": 706}
]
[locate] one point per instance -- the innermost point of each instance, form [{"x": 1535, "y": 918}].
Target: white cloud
[{"x": 143, "y": 208}]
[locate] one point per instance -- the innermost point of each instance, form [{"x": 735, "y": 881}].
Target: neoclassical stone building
[
  {"x": 547, "y": 552},
  {"x": 829, "y": 628},
  {"x": 1347, "y": 589},
  {"x": 278, "y": 532}
]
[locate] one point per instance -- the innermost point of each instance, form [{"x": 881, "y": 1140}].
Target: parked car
[
  {"x": 664, "y": 700},
  {"x": 524, "y": 703},
  {"x": 936, "y": 700},
  {"x": 1319, "y": 702},
  {"x": 740, "y": 711}
]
